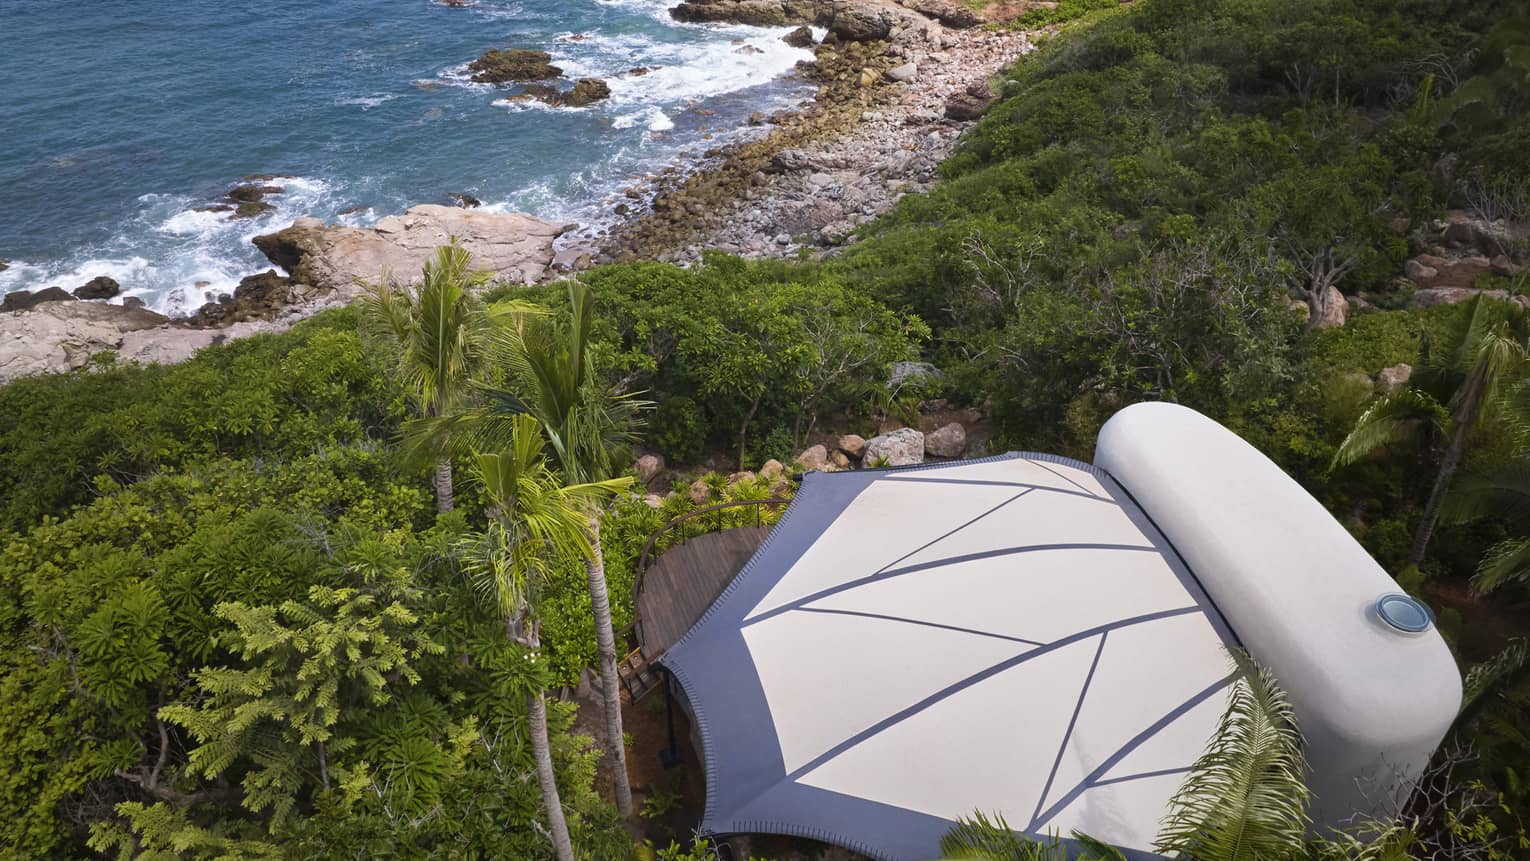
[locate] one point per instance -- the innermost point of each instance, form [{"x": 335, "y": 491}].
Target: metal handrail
[{"x": 718, "y": 508}]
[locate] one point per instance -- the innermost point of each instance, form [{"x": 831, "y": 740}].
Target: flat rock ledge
[
  {"x": 55, "y": 337},
  {"x": 515, "y": 247},
  {"x": 327, "y": 264}
]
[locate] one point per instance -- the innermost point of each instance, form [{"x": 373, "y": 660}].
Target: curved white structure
[{"x": 1302, "y": 595}]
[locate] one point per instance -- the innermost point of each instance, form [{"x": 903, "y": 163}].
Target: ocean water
[{"x": 119, "y": 119}]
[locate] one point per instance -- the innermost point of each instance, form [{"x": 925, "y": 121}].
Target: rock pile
[
  {"x": 823, "y": 172},
  {"x": 1464, "y": 251}
]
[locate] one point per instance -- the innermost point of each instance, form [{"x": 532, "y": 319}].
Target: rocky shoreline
[
  {"x": 897, "y": 84},
  {"x": 886, "y": 115}
]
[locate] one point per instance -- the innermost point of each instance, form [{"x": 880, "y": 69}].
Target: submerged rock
[
  {"x": 251, "y": 193},
  {"x": 100, "y": 287},
  {"x": 587, "y": 91},
  {"x": 331, "y": 257},
  {"x": 514, "y": 65},
  {"x": 463, "y": 199}
]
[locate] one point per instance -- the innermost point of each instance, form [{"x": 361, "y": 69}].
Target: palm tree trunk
[
  {"x": 1448, "y": 466},
  {"x": 443, "y": 482},
  {"x": 605, "y": 638},
  {"x": 543, "y": 753}
]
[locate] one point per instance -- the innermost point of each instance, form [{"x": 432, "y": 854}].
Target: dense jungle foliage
[{"x": 235, "y": 625}]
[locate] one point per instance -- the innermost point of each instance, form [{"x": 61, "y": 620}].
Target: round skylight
[{"x": 1405, "y": 613}]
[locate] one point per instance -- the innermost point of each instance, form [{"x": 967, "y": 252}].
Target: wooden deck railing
[{"x": 698, "y": 516}]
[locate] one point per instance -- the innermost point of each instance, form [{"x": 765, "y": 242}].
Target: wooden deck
[{"x": 680, "y": 586}]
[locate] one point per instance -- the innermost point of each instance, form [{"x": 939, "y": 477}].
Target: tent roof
[{"x": 1010, "y": 635}]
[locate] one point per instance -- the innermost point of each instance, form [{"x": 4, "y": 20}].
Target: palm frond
[
  {"x": 1501, "y": 491},
  {"x": 1391, "y": 419},
  {"x": 1096, "y": 850},
  {"x": 992, "y": 839},
  {"x": 1506, "y": 562},
  {"x": 1488, "y": 679},
  {"x": 1245, "y": 798}
]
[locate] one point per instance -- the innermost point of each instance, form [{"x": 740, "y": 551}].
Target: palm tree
[
  {"x": 536, "y": 523},
  {"x": 1244, "y": 799},
  {"x": 442, "y": 334},
  {"x": 551, "y": 376},
  {"x": 1452, "y": 395}
]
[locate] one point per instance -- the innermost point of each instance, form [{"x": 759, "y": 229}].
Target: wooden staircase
[{"x": 639, "y": 678}]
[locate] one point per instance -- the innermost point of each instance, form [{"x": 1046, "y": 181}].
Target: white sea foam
[
  {"x": 681, "y": 72},
  {"x": 172, "y": 255},
  {"x": 367, "y": 103},
  {"x": 652, "y": 118}
]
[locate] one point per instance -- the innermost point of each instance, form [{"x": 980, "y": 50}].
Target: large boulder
[
  {"x": 758, "y": 13},
  {"x": 1430, "y": 296},
  {"x": 949, "y": 441},
  {"x": 1393, "y": 378},
  {"x": 331, "y": 257},
  {"x": 1330, "y": 311},
  {"x": 970, "y": 104},
  {"x": 905, "y": 373},
  {"x": 945, "y": 11},
  {"x": 900, "y": 448},
  {"x": 802, "y": 37},
  {"x": 516, "y": 65},
  {"x": 815, "y": 458},
  {"x": 853, "y": 445},
  {"x": 100, "y": 287},
  {"x": 855, "y": 22},
  {"x": 648, "y": 468},
  {"x": 61, "y": 336}
]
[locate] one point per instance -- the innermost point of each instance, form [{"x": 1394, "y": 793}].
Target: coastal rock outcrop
[
  {"x": 514, "y": 65},
  {"x": 100, "y": 287},
  {"x": 850, "y": 20},
  {"x": 330, "y": 257},
  {"x": 21, "y": 300},
  {"x": 258, "y": 297}
]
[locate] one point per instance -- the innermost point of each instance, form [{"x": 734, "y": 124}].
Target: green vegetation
[{"x": 246, "y": 613}]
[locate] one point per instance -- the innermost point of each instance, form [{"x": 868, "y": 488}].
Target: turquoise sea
[{"x": 119, "y": 118}]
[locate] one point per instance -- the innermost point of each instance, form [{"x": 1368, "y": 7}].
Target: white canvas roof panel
[{"x": 1009, "y": 635}]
